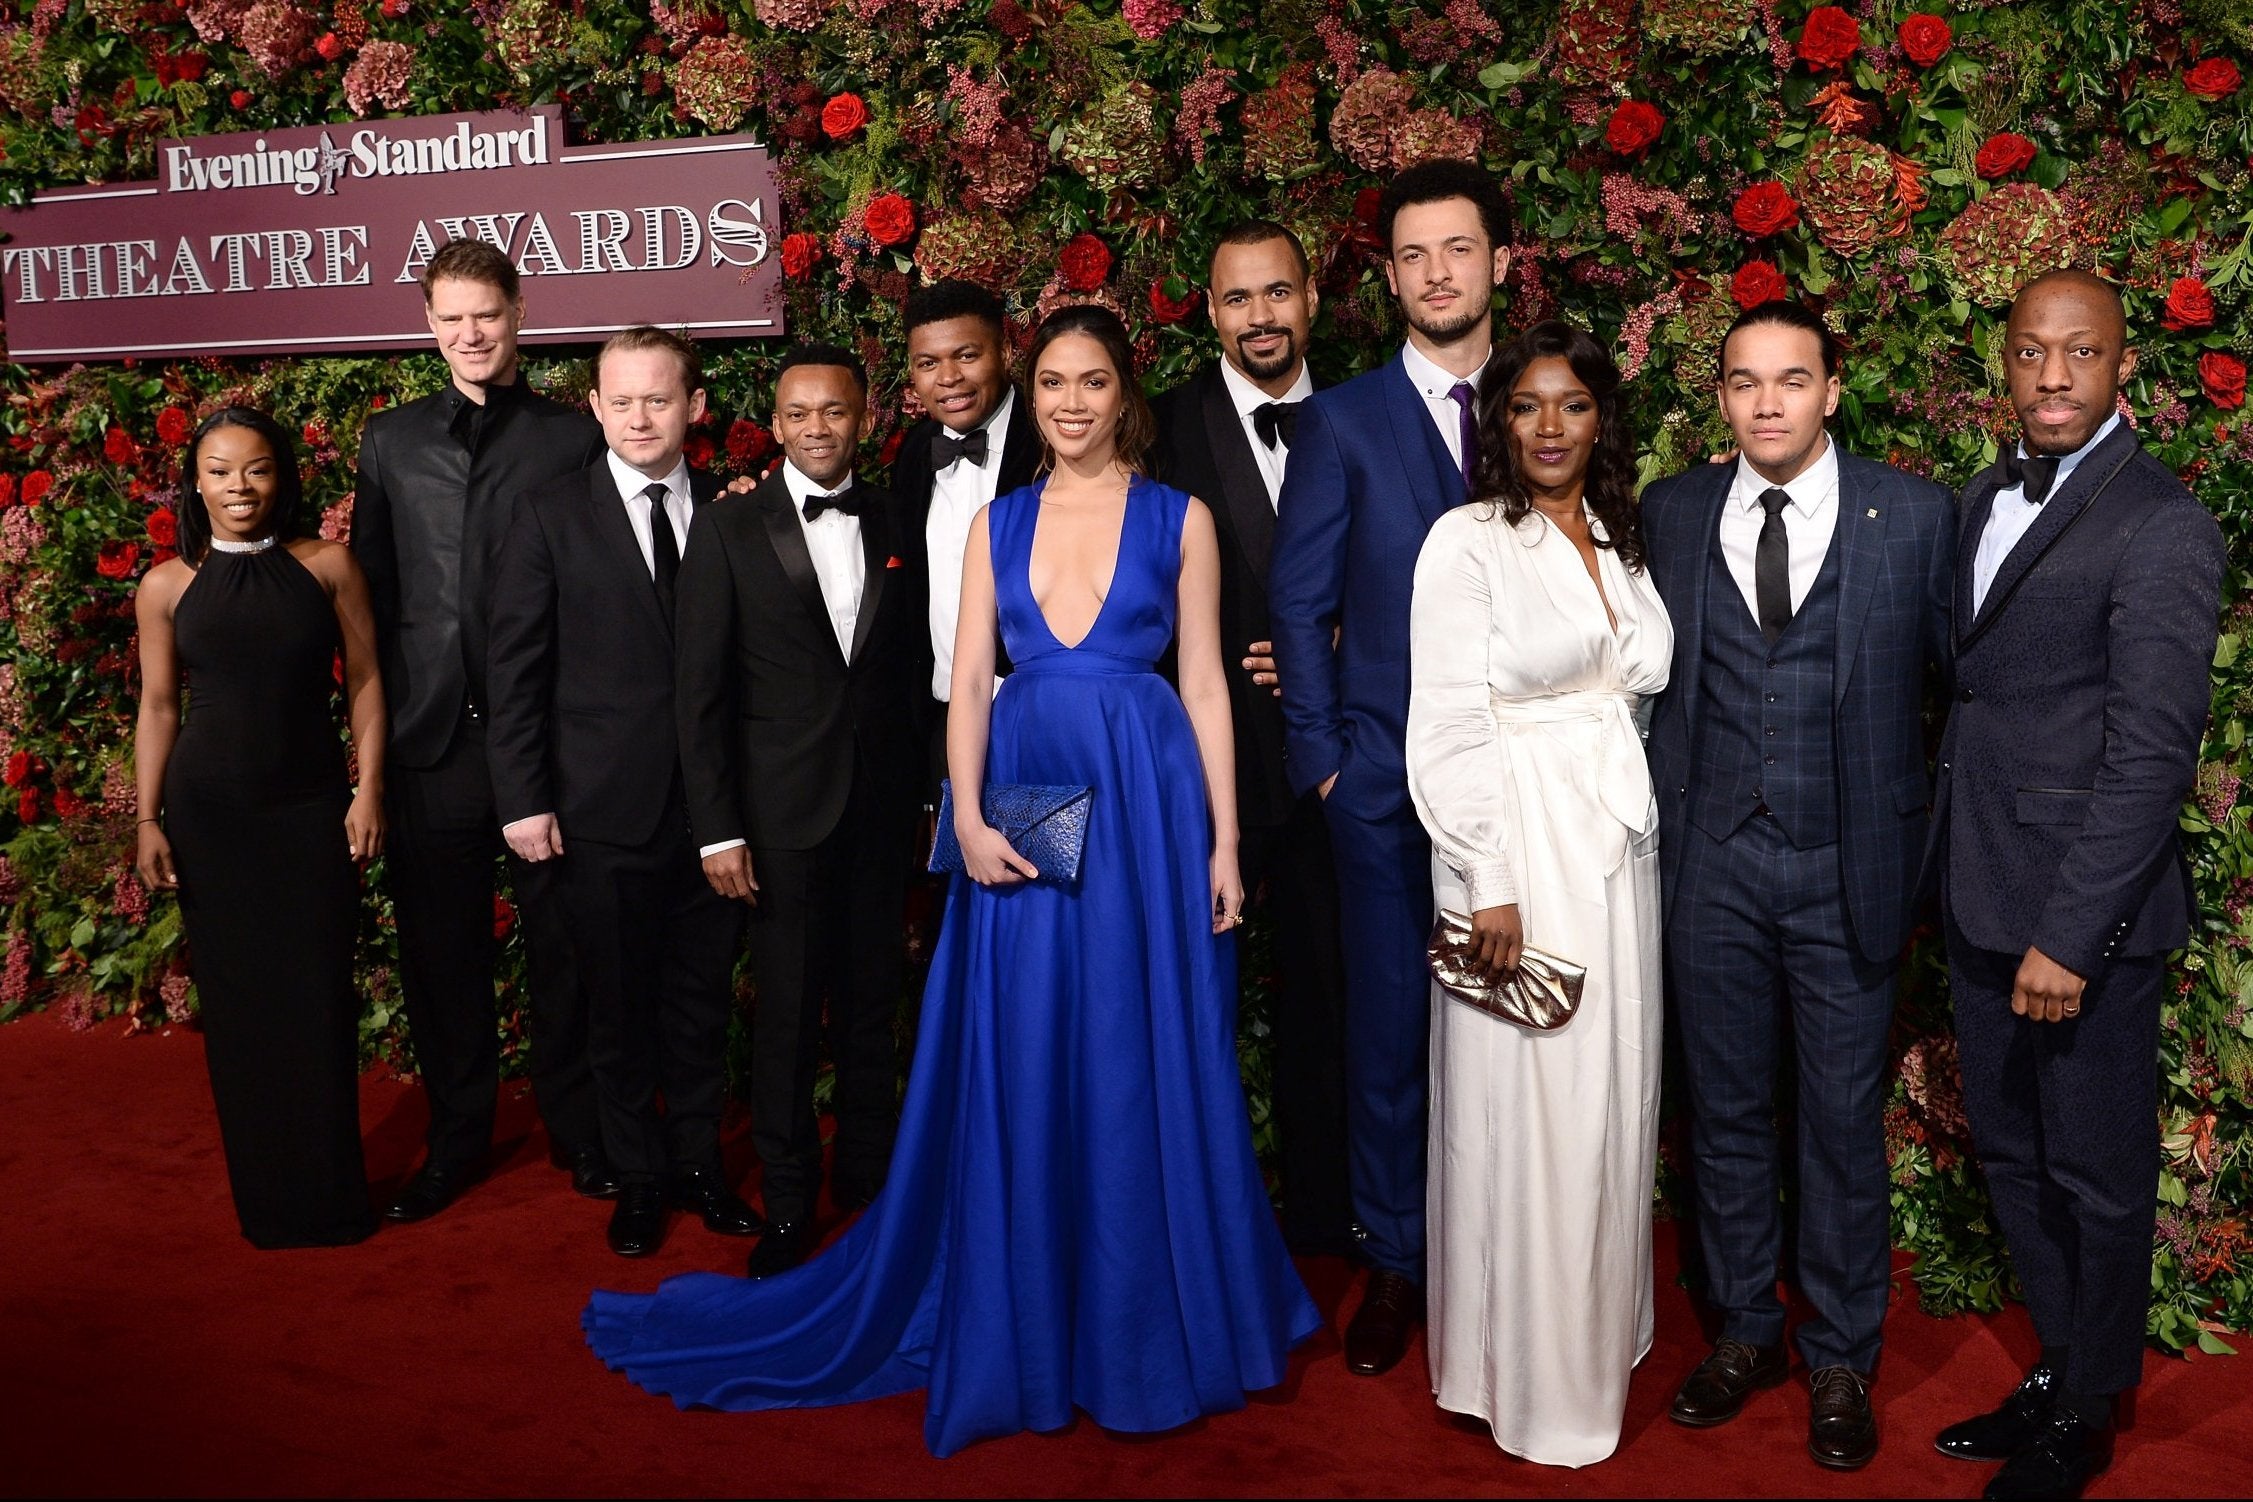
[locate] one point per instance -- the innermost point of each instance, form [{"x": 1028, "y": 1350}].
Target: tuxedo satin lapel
[
  {"x": 1243, "y": 491},
  {"x": 1863, "y": 515},
  {"x": 1435, "y": 479},
  {"x": 876, "y": 548},
  {"x": 615, "y": 539},
  {"x": 789, "y": 541},
  {"x": 1711, "y": 495},
  {"x": 1020, "y": 448},
  {"x": 2058, "y": 512},
  {"x": 1978, "y": 504}
]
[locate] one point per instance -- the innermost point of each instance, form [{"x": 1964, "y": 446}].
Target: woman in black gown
[{"x": 248, "y": 814}]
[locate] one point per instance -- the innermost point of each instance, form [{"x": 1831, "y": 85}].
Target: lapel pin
[{"x": 1871, "y": 513}]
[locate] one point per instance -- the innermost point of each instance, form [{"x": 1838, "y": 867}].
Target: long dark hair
[
  {"x": 289, "y": 486},
  {"x": 1610, "y": 490},
  {"x": 1138, "y": 430}
]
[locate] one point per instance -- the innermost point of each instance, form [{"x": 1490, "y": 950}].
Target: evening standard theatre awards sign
[{"x": 311, "y": 240}]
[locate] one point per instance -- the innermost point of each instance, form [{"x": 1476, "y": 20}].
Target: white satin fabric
[{"x": 1526, "y": 768}]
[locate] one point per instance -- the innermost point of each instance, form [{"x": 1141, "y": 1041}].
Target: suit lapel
[
  {"x": 1862, "y": 519},
  {"x": 614, "y": 535},
  {"x": 876, "y": 551},
  {"x": 788, "y": 538},
  {"x": 1020, "y": 448},
  {"x": 1243, "y": 490},
  {"x": 1423, "y": 453},
  {"x": 1978, "y": 505},
  {"x": 1705, "y": 531},
  {"x": 2058, "y": 513}
]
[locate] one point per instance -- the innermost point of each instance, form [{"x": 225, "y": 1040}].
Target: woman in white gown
[{"x": 1535, "y": 635}]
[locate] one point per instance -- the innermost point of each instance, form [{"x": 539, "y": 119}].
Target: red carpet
[{"x": 149, "y": 1350}]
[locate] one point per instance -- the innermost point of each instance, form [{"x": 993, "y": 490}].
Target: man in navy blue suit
[
  {"x": 1374, "y": 462},
  {"x": 2088, "y": 582},
  {"x": 1809, "y": 591}
]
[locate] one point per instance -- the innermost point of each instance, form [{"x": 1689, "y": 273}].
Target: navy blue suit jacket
[
  {"x": 2083, "y": 687},
  {"x": 1368, "y": 476},
  {"x": 1897, "y": 541}
]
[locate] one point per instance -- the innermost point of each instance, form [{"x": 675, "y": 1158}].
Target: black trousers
[
  {"x": 445, "y": 838},
  {"x": 656, "y": 948},
  {"x": 828, "y": 938},
  {"x": 1292, "y": 861},
  {"x": 2065, "y": 1119}
]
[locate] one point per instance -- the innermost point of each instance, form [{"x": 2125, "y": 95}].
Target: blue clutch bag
[{"x": 1045, "y": 825}]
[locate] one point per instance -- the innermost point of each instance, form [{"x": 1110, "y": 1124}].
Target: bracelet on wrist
[{"x": 147, "y": 821}]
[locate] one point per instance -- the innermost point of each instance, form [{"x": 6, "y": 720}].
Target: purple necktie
[{"x": 1466, "y": 396}]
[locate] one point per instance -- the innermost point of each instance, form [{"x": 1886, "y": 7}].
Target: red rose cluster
[
  {"x": 2213, "y": 78},
  {"x": 1926, "y": 39},
  {"x": 1765, "y": 209},
  {"x": 890, "y": 219},
  {"x": 1758, "y": 282},
  {"x": 1165, "y": 307},
  {"x": 1085, "y": 261},
  {"x": 2190, "y": 305},
  {"x": 2222, "y": 377},
  {"x": 1831, "y": 37},
  {"x": 2003, "y": 154},
  {"x": 1634, "y": 128},
  {"x": 844, "y": 117},
  {"x": 801, "y": 252}
]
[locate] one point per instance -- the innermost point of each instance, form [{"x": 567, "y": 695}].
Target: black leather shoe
[
  {"x": 591, "y": 1173},
  {"x": 1716, "y": 1392},
  {"x": 2062, "y": 1460},
  {"x": 637, "y": 1222},
  {"x": 783, "y": 1247},
  {"x": 702, "y": 1192},
  {"x": 1841, "y": 1428},
  {"x": 1391, "y": 1308},
  {"x": 429, "y": 1191},
  {"x": 2010, "y": 1428}
]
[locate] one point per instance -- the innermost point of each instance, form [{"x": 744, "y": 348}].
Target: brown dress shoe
[
  {"x": 1841, "y": 1428},
  {"x": 1715, "y": 1393},
  {"x": 1378, "y": 1337}
]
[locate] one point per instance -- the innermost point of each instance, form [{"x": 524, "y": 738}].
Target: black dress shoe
[
  {"x": 429, "y": 1192},
  {"x": 1716, "y": 1392},
  {"x": 2063, "y": 1459},
  {"x": 591, "y": 1173},
  {"x": 702, "y": 1192},
  {"x": 1378, "y": 1336},
  {"x": 2010, "y": 1428},
  {"x": 783, "y": 1247},
  {"x": 1841, "y": 1428},
  {"x": 637, "y": 1222}
]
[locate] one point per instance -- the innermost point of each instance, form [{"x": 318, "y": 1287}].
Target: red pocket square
[{"x": 895, "y": 561}]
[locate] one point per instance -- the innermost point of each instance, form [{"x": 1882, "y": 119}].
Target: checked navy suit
[{"x": 1793, "y": 798}]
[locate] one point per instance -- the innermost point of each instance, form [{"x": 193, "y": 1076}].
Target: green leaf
[
  {"x": 2214, "y": 1345},
  {"x": 1504, "y": 75}
]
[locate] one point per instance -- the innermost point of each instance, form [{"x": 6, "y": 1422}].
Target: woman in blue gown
[{"x": 1073, "y": 1218}]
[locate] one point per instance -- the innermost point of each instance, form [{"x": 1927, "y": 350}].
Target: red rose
[
  {"x": 1832, "y": 36},
  {"x": 1926, "y": 39},
  {"x": 2189, "y": 305},
  {"x": 173, "y": 427},
  {"x": 315, "y": 434},
  {"x": 2003, "y": 154},
  {"x": 2223, "y": 376},
  {"x": 330, "y": 46},
  {"x": 891, "y": 448},
  {"x": 2213, "y": 78},
  {"x": 800, "y": 254},
  {"x": 240, "y": 99},
  {"x": 189, "y": 66},
  {"x": 20, "y": 768},
  {"x": 27, "y": 805},
  {"x": 7, "y": 491},
  {"x": 69, "y": 804},
  {"x": 748, "y": 443},
  {"x": 1757, "y": 282},
  {"x": 1167, "y": 308},
  {"x": 698, "y": 450},
  {"x": 1085, "y": 261},
  {"x": 843, "y": 117},
  {"x": 164, "y": 527},
  {"x": 1634, "y": 127},
  {"x": 504, "y": 916},
  {"x": 116, "y": 558},
  {"x": 36, "y": 485},
  {"x": 1765, "y": 209},
  {"x": 891, "y": 219},
  {"x": 118, "y": 446}
]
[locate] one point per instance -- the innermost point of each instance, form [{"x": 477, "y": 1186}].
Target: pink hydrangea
[
  {"x": 1150, "y": 19},
  {"x": 177, "y": 992},
  {"x": 216, "y": 20},
  {"x": 127, "y": 896},
  {"x": 718, "y": 81},
  {"x": 792, "y": 15},
  {"x": 276, "y": 34},
  {"x": 978, "y": 107},
  {"x": 1199, "y": 116},
  {"x": 15, "y": 975},
  {"x": 379, "y": 73}
]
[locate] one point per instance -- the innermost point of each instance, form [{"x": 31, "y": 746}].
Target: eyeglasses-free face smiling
[{"x": 1076, "y": 397}]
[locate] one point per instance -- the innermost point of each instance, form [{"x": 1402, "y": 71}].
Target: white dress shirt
[
  {"x": 1809, "y": 521},
  {"x": 1248, "y": 399},
  {"x": 1433, "y": 384},
  {"x": 2012, "y": 516},
  {"x": 834, "y": 539},
  {"x": 957, "y": 492},
  {"x": 680, "y": 506}
]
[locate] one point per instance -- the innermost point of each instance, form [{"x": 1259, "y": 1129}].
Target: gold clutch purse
[{"x": 1543, "y": 995}]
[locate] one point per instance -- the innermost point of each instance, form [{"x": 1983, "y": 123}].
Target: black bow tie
[
  {"x": 946, "y": 448},
  {"x": 1275, "y": 420},
  {"x": 2036, "y": 472},
  {"x": 847, "y": 502}
]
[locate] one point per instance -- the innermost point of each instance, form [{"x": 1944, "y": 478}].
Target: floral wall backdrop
[{"x": 1903, "y": 164}]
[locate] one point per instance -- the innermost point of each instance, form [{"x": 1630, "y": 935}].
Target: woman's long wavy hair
[
  {"x": 1137, "y": 429},
  {"x": 289, "y": 486},
  {"x": 1611, "y": 467}
]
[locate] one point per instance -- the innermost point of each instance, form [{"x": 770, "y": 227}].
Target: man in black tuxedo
[
  {"x": 1223, "y": 436},
  {"x": 2088, "y": 581},
  {"x": 803, "y": 662},
  {"x": 587, "y": 778},
  {"x": 429, "y": 517},
  {"x": 977, "y": 442}
]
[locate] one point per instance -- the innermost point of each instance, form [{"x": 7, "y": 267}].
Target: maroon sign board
[{"x": 310, "y": 241}]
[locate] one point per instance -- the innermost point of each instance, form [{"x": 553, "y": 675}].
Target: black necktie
[
  {"x": 946, "y": 448},
  {"x": 664, "y": 551},
  {"x": 1275, "y": 420},
  {"x": 2036, "y": 472},
  {"x": 1771, "y": 566},
  {"x": 846, "y": 501}
]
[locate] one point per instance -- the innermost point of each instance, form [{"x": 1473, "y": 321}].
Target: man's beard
[
  {"x": 1448, "y": 331},
  {"x": 1275, "y": 364}
]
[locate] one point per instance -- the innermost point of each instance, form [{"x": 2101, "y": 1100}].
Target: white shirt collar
[
  {"x": 1427, "y": 376},
  {"x": 1248, "y": 398},
  {"x": 632, "y": 482},
  {"x": 1809, "y": 489},
  {"x": 795, "y": 481},
  {"x": 2067, "y": 463}
]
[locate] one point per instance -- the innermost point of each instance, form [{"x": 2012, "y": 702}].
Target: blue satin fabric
[{"x": 1073, "y": 1216}]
